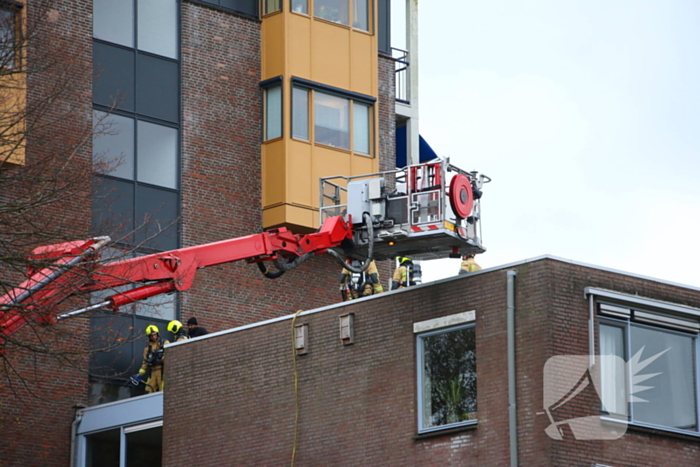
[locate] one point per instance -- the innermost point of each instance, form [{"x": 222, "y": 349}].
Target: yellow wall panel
[
  {"x": 298, "y": 219},
  {"x": 273, "y": 46},
  {"x": 299, "y": 46},
  {"x": 363, "y": 69},
  {"x": 274, "y": 173},
  {"x": 364, "y": 165},
  {"x": 330, "y": 52},
  {"x": 299, "y": 174}
]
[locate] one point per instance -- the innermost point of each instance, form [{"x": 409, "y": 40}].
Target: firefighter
[
  {"x": 468, "y": 265},
  {"x": 153, "y": 359},
  {"x": 354, "y": 285},
  {"x": 402, "y": 274},
  {"x": 178, "y": 330}
]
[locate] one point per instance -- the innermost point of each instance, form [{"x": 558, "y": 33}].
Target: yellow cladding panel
[
  {"x": 300, "y": 176},
  {"x": 274, "y": 173},
  {"x": 330, "y": 52},
  {"x": 299, "y": 43},
  {"x": 273, "y": 46},
  {"x": 364, "y": 165},
  {"x": 363, "y": 64},
  {"x": 299, "y": 219}
]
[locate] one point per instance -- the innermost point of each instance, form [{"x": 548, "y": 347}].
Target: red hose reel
[{"x": 461, "y": 196}]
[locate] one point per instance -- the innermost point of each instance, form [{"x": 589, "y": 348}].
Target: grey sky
[{"x": 586, "y": 114}]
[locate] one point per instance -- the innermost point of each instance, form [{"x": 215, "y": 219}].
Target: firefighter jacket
[
  {"x": 153, "y": 355},
  {"x": 401, "y": 277},
  {"x": 469, "y": 265},
  {"x": 367, "y": 284}
]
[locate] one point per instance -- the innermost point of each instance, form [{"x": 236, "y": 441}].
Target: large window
[
  {"x": 136, "y": 152},
  {"x": 136, "y": 97},
  {"x": 132, "y": 445},
  {"x": 339, "y": 11},
  {"x": 446, "y": 378},
  {"x": 339, "y": 120},
  {"x": 658, "y": 385}
]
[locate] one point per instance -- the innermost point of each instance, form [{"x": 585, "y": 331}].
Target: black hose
[
  {"x": 370, "y": 232},
  {"x": 267, "y": 273}
]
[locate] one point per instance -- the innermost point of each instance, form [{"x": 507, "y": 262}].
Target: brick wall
[
  {"x": 39, "y": 388},
  {"x": 357, "y": 403}
]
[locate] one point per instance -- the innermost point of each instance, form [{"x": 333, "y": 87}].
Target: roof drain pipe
[
  {"x": 74, "y": 434},
  {"x": 512, "y": 404}
]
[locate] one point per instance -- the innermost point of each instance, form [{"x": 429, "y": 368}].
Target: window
[
  {"x": 300, "y": 6},
  {"x": 339, "y": 11},
  {"x": 332, "y": 120},
  {"x": 300, "y": 113},
  {"x": 446, "y": 378},
  {"x": 113, "y": 21},
  {"x": 660, "y": 351},
  {"x": 136, "y": 152},
  {"x": 332, "y": 10},
  {"x": 664, "y": 359},
  {"x": 272, "y": 6},
  {"x": 360, "y": 14},
  {"x": 361, "y": 128},
  {"x": 133, "y": 445},
  {"x": 136, "y": 97},
  {"x": 157, "y": 27},
  {"x": 273, "y": 112},
  {"x": 333, "y": 111},
  {"x": 136, "y": 199}
]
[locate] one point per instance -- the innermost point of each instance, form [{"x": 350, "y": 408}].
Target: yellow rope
[{"x": 296, "y": 389}]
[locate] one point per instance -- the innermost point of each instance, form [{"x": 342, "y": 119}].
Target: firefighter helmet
[
  {"x": 152, "y": 329},
  {"x": 404, "y": 259},
  {"x": 174, "y": 326}
]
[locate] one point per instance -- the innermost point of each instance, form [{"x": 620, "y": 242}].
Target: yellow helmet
[
  {"x": 152, "y": 329},
  {"x": 405, "y": 259},
  {"x": 174, "y": 326}
]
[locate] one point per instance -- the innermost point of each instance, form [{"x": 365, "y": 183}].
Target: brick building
[
  {"x": 213, "y": 119},
  {"x": 370, "y": 391}
]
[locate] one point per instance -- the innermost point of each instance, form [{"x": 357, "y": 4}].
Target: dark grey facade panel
[
  {"x": 113, "y": 208},
  {"x": 158, "y": 208},
  {"x": 244, "y": 7},
  {"x": 384, "y": 26},
  {"x": 113, "y": 76},
  {"x": 157, "y": 88}
]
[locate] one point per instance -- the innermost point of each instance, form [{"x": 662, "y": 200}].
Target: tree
[{"x": 47, "y": 175}]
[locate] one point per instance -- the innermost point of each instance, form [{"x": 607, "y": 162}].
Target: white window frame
[{"x": 425, "y": 329}]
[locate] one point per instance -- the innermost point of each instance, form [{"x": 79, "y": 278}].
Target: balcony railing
[{"x": 402, "y": 78}]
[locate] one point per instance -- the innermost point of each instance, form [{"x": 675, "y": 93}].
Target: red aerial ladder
[{"x": 421, "y": 215}]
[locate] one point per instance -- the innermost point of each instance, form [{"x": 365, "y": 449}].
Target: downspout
[
  {"x": 512, "y": 404},
  {"x": 74, "y": 431}
]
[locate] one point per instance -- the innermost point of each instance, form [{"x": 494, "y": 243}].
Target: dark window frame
[{"x": 217, "y": 6}]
